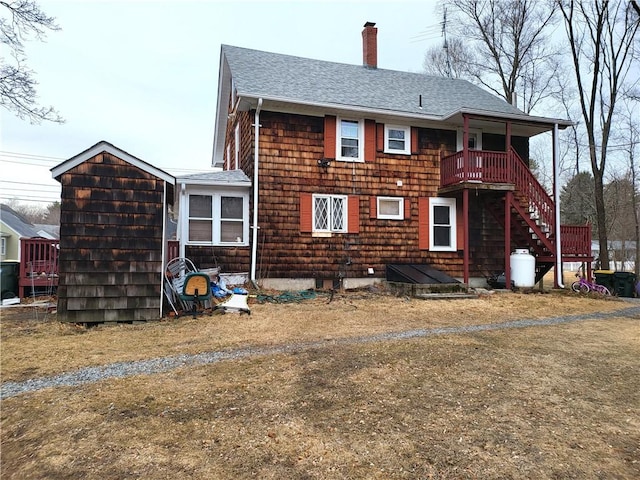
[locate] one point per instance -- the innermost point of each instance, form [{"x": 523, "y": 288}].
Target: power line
[
  {"x": 28, "y": 183},
  {"x": 24, "y": 199}
]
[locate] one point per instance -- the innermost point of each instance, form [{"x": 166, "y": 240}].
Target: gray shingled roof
[
  {"x": 216, "y": 178},
  {"x": 17, "y": 222},
  {"x": 307, "y": 81}
]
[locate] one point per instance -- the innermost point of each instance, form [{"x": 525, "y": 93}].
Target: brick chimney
[{"x": 370, "y": 45}]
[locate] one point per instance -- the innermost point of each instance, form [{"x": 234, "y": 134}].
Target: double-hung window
[
  {"x": 3, "y": 246},
  {"x": 391, "y": 208},
  {"x": 350, "y": 140},
  {"x": 442, "y": 224},
  {"x": 218, "y": 219},
  {"x": 329, "y": 213},
  {"x": 397, "y": 139},
  {"x": 200, "y": 218}
]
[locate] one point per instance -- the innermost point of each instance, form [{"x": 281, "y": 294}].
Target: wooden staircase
[
  {"x": 526, "y": 231},
  {"x": 505, "y": 177}
]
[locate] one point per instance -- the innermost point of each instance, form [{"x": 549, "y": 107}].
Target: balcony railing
[
  {"x": 576, "y": 240},
  {"x": 482, "y": 166}
]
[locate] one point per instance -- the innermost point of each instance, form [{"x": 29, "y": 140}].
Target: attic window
[{"x": 397, "y": 139}]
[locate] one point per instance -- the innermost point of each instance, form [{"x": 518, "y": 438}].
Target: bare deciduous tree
[
  {"x": 601, "y": 35},
  {"x": 20, "y": 21},
  {"x": 453, "y": 60},
  {"x": 508, "y": 50}
]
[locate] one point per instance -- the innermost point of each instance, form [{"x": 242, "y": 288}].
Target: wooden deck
[{"x": 505, "y": 171}]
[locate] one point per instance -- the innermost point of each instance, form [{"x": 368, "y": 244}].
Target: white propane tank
[{"x": 523, "y": 268}]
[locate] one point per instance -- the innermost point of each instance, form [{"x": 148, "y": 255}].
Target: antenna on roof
[{"x": 446, "y": 44}]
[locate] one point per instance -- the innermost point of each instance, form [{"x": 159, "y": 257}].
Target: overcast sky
[{"x": 143, "y": 75}]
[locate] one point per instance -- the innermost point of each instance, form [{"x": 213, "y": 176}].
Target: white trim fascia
[
  {"x": 102, "y": 147},
  {"x": 215, "y": 184},
  {"x": 400, "y": 114},
  {"x": 219, "y": 132},
  {"x": 510, "y": 116}
]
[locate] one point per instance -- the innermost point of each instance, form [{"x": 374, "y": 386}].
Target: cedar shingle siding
[
  {"x": 290, "y": 147},
  {"x": 111, "y": 242}
]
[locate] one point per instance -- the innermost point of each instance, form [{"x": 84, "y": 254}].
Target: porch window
[
  {"x": 442, "y": 216},
  {"x": 3, "y": 246},
  {"x": 218, "y": 219},
  {"x": 200, "y": 218},
  {"x": 231, "y": 221},
  {"x": 350, "y": 140},
  {"x": 391, "y": 208},
  {"x": 397, "y": 139},
  {"x": 329, "y": 213}
]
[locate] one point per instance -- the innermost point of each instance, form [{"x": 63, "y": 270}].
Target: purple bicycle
[{"x": 582, "y": 285}]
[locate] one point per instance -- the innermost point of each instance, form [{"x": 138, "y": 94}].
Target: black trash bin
[
  {"x": 624, "y": 284},
  {"x": 605, "y": 278},
  {"x": 9, "y": 272}
]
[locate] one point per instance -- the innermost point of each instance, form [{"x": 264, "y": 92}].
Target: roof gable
[{"x": 101, "y": 147}]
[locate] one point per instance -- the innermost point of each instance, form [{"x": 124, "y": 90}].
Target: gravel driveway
[{"x": 164, "y": 364}]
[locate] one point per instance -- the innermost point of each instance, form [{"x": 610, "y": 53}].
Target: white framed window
[
  {"x": 391, "y": 208},
  {"x": 442, "y": 224},
  {"x": 228, "y": 157},
  {"x": 397, "y": 139},
  {"x": 350, "y": 140},
  {"x": 3, "y": 246},
  {"x": 218, "y": 219},
  {"x": 329, "y": 213},
  {"x": 237, "y": 147},
  {"x": 475, "y": 139}
]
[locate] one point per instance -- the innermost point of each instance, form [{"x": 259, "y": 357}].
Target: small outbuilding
[{"x": 113, "y": 236}]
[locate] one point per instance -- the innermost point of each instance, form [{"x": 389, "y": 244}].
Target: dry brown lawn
[{"x": 555, "y": 401}]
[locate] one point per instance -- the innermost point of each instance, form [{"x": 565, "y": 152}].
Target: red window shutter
[
  {"x": 423, "y": 223},
  {"x": 414, "y": 140},
  {"x": 380, "y": 137},
  {"x": 354, "y": 214},
  {"x": 306, "y": 212},
  {"x": 373, "y": 207},
  {"x": 329, "y": 136},
  {"x": 407, "y": 208},
  {"x": 369, "y": 140},
  {"x": 459, "y": 227}
]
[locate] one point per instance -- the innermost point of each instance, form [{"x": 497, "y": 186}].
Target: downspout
[
  {"x": 163, "y": 250},
  {"x": 556, "y": 193},
  {"x": 254, "y": 240},
  {"x": 181, "y": 221}
]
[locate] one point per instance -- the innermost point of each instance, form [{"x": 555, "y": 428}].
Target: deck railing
[
  {"x": 173, "y": 249},
  {"x": 482, "y": 166},
  {"x": 38, "y": 264},
  {"x": 576, "y": 240}
]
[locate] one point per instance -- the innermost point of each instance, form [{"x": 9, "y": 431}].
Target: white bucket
[{"x": 523, "y": 268}]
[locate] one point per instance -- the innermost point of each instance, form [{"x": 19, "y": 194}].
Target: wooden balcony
[{"x": 490, "y": 170}]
